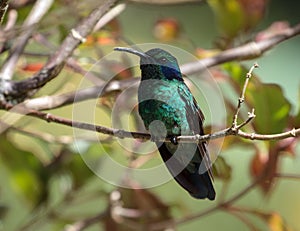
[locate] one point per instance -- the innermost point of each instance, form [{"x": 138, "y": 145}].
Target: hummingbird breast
[{"x": 160, "y": 100}]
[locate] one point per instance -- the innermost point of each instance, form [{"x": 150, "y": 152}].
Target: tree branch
[
  {"x": 247, "y": 51},
  {"x": 55, "y": 101},
  {"x": 119, "y": 133},
  {"x": 189, "y": 68},
  {"x": 20, "y": 90},
  {"x": 288, "y": 176},
  {"x": 3, "y": 9},
  {"x": 164, "y": 224},
  {"x": 39, "y": 9},
  {"x": 242, "y": 52}
]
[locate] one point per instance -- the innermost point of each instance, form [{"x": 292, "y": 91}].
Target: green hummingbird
[{"x": 168, "y": 109}]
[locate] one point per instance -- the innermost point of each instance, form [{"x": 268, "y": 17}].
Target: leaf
[
  {"x": 271, "y": 108},
  {"x": 236, "y": 16},
  {"x": 296, "y": 118},
  {"x": 253, "y": 11},
  {"x": 3, "y": 211},
  {"x": 258, "y": 163},
  {"x": 29, "y": 185},
  {"x": 33, "y": 67},
  {"x": 68, "y": 163},
  {"x": 202, "y": 53},
  {"x": 26, "y": 172},
  {"x": 166, "y": 29},
  {"x": 221, "y": 169},
  {"x": 237, "y": 72},
  {"x": 264, "y": 165},
  {"x": 229, "y": 16},
  {"x": 75, "y": 163},
  {"x": 275, "y": 221}
]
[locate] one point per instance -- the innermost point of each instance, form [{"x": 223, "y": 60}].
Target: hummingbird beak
[{"x": 132, "y": 51}]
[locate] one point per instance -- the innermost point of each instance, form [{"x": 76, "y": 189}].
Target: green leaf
[
  {"x": 272, "y": 109},
  {"x": 221, "y": 169},
  {"x": 296, "y": 119},
  {"x": 26, "y": 175},
  {"x": 229, "y": 16}
]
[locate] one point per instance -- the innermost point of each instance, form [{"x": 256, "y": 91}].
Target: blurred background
[{"x": 47, "y": 185}]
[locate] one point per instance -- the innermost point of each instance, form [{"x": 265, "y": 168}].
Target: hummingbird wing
[
  {"x": 201, "y": 160},
  {"x": 195, "y": 120}
]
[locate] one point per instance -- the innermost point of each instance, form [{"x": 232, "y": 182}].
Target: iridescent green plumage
[{"x": 168, "y": 108}]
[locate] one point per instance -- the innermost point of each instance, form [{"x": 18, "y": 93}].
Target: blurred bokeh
[{"x": 45, "y": 183}]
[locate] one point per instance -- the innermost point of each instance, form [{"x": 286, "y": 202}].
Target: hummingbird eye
[{"x": 163, "y": 60}]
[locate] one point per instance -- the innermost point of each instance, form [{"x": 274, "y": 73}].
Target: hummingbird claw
[{"x": 174, "y": 140}]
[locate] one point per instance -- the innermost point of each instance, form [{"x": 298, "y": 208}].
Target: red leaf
[
  {"x": 166, "y": 29},
  {"x": 33, "y": 67},
  {"x": 264, "y": 166}
]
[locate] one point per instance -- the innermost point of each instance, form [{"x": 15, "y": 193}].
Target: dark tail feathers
[{"x": 198, "y": 185}]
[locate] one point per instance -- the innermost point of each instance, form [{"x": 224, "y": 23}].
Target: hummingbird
[{"x": 168, "y": 110}]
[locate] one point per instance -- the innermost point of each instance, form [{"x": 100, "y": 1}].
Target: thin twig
[
  {"x": 161, "y": 225},
  {"x": 243, "y": 218},
  {"x": 83, "y": 224},
  {"x": 3, "y": 9},
  {"x": 288, "y": 176},
  {"x": 279, "y": 136},
  {"x": 251, "y": 116},
  {"x": 241, "y": 100}
]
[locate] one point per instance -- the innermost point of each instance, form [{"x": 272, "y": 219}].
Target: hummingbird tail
[{"x": 198, "y": 185}]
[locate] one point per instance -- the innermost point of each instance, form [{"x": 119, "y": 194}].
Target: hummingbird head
[{"x": 156, "y": 64}]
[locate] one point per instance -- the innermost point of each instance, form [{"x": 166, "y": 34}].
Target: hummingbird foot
[{"x": 174, "y": 140}]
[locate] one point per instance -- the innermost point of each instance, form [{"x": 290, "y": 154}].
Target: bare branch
[
  {"x": 19, "y": 90},
  {"x": 119, "y": 133},
  {"x": 51, "y": 102},
  {"x": 83, "y": 224},
  {"x": 242, "y": 218},
  {"x": 288, "y": 176},
  {"x": 247, "y": 51},
  {"x": 241, "y": 101},
  {"x": 251, "y": 116},
  {"x": 189, "y": 68},
  {"x": 55, "y": 64},
  {"x": 47, "y": 137},
  {"x": 114, "y": 12},
  {"x": 279, "y": 136},
  {"x": 39, "y": 9},
  {"x": 243, "y": 192},
  {"x": 3, "y": 9}
]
